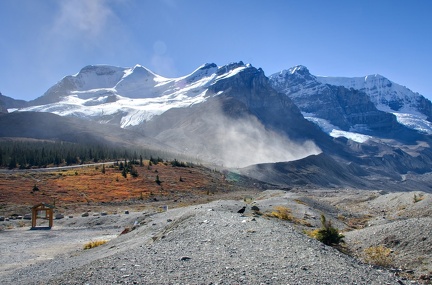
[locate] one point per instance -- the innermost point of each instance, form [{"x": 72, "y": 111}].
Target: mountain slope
[
  {"x": 243, "y": 121},
  {"x": 49, "y": 126},
  {"x": 10, "y": 103},
  {"x": 411, "y": 109},
  {"x": 354, "y": 108},
  {"x": 222, "y": 114},
  {"x": 235, "y": 116},
  {"x": 123, "y": 96}
]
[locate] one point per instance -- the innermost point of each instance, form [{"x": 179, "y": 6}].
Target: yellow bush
[
  {"x": 96, "y": 243},
  {"x": 378, "y": 255},
  {"x": 282, "y": 213},
  {"x": 313, "y": 233}
]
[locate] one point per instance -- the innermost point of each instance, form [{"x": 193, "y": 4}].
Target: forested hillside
[{"x": 26, "y": 154}]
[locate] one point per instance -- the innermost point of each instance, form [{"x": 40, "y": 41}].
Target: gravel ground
[
  {"x": 409, "y": 239},
  {"x": 206, "y": 244}
]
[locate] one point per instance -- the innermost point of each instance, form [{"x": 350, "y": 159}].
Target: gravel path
[{"x": 207, "y": 244}]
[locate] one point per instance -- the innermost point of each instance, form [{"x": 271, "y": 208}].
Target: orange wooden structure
[{"x": 42, "y": 211}]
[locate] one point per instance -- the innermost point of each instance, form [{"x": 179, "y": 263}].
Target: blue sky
[{"x": 45, "y": 40}]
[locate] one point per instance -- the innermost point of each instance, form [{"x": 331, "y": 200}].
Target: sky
[{"x": 42, "y": 41}]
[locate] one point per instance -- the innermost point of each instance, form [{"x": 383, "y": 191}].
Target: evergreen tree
[
  {"x": 133, "y": 171},
  {"x": 12, "y": 163}
]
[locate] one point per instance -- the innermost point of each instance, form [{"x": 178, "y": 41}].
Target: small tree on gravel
[{"x": 328, "y": 234}]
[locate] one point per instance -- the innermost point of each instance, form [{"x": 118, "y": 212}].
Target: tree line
[{"x": 39, "y": 154}]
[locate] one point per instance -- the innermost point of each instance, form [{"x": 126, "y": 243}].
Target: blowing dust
[{"x": 246, "y": 141}]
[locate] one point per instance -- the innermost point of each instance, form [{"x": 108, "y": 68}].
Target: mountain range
[{"x": 290, "y": 128}]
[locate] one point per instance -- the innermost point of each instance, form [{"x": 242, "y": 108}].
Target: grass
[
  {"x": 95, "y": 243},
  {"x": 282, "y": 212},
  {"x": 312, "y": 233},
  {"x": 285, "y": 213},
  {"x": 378, "y": 255},
  {"x": 355, "y": 222}
]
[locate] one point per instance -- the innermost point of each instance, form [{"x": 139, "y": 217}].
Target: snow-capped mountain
[
  {"x": 222, "y": 114},
  {"x": 128, "y": 96},
  {"x": 236, "y": 116},
  {"x": 355, "y": 108},
  {"x": 410, "y": 108}
]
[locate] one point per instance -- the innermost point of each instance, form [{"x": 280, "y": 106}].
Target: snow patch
[
  {"x": 415, "y": 122},
  {"x": 334, "y": 131}
]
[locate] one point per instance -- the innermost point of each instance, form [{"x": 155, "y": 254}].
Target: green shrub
[{"x": 328, "y": 234}]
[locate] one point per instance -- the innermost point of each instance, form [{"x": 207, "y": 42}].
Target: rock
[
  {"x": 425, "y": 277},
  {"x": 126, "y": 212},
  {"x": 59, "y": 216},
  {"x": 255, "y": 208},
  {"x": 185, "y": 258},
  {"x": 2, "y": 218},
  {"x": 104, "y": 213},
  {"x": 27, "y": 217},
  {"x": 125, "y": 231},
  {"x": 86, "y": 214}
]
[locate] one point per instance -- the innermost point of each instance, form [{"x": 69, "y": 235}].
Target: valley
[{"x": 247, "y": 165}]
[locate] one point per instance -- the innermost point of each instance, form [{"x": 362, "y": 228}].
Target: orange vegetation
[{"x": 88, "y": 185}]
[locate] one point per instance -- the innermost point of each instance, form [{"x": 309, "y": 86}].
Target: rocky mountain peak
[
  {"x": 293, "y": 80},
  {"x": 230, "y": 67},
  {"x": 299, "y": 69}
]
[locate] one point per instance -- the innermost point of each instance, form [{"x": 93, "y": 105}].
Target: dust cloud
[{"x": 245, "y": 142}]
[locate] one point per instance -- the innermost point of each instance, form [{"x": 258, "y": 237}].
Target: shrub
[
  {"x": 96, "y": 243},
  {"x": 327, "y": 234},
  {"x": 282, "y": 213},
  {"x": 378, "y": 255}
]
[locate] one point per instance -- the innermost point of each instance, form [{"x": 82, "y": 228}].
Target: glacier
[{"x": 136, "y": 94}]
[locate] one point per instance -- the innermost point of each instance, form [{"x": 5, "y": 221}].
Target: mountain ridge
[
  {"x": 311, "y": 92},
  {"x": 236, "y": 116}
]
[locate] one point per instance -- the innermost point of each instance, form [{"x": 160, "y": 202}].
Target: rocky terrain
[
  {"x": 291, "y": 150},
  {"x": 212, "y": 243}
]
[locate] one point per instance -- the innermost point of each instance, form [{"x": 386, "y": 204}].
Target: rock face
[
  {"x": 10, "y": 103},
  {"x": 345, "y": 108},
  {"x": 385, "y": 94}
]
